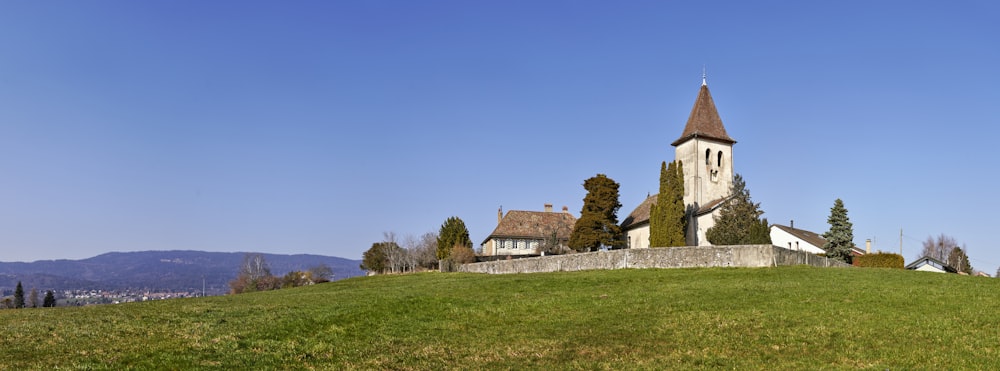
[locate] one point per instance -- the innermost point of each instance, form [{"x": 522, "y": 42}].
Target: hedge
[{"x": 879, "y": 260}]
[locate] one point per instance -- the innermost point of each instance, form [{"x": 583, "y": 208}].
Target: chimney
[
  {"x": 791, "y": 224},
  {"x": 499, "y": 215},
  {"x": 548, "y": 208},
  {"x": 565, "y": 209},
  {"x": 868, "y": 246}
]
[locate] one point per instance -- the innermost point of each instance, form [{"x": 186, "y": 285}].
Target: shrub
[
  {"x": 462, "y": 255},
  {"x": 879, "y": 260}
]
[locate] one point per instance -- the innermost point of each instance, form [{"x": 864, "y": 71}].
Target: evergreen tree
[
  {"x": 453, "y": 233},
  {"x": 840, "y": 237},
  {"x": 598, "y": 223},
  {"x": 959, "y": 260},
  {"x": 50, "y": 300},
  {"x": 739, "y": 221},
  {"x": 19, "y": 296},
  {"x": 667, "y": 221}
]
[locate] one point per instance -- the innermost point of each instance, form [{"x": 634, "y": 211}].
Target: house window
[{"x": 521, "y": 244}]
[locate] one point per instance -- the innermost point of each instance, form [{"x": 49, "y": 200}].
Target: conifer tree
[
  {"x": 666, "y": 217},
  {"x": 19, "y": 296},
  {"x": 959, "y": 260},
  {"x": 453, "y": 233},
  {"x": 739, "y": 221},
  {"x": 840, "y": 237},
  {"x": 598, "y": 223},
  {"x": 50, "y": 300}
]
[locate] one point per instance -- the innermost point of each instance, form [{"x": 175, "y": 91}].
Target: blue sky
[{"x": 315, "y": 126}]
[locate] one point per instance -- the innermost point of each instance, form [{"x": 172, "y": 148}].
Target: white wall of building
[
  {"x": 705, "y": 181},
  {"x": 704, "y": 222},
  {"x": 512, "y": 246},
  {"x": 784, "y": 239},
  {"x": 638, "y": 238}
]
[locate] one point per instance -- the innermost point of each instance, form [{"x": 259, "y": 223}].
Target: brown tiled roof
[
  {"x": 534, "y": 224},
  {"x": 710, "y": 206},
  {"x": 810, "y": 237},
  {"x": 704, "y": 121},
  {"x": 640, "y": 215}
]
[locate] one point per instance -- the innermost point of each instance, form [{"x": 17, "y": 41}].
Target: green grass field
[{"x": 767, "y": 318}]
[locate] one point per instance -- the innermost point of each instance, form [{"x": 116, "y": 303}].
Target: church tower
[{"x": 706, "y": 151}]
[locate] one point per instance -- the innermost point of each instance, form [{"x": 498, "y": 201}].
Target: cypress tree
[
  {"x": 739, "y": 221},
  {"x": 840, "y": 237},
  {"x": 658, "y": 212},
  {"x": 598, "y": 223},
  {"x": 666, "y": 216},
  {"x": 677, "y": 214},
  {"x": 19, "y": 296}
]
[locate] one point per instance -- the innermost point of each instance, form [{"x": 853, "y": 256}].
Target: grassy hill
[{"x": 784, "y": 318}]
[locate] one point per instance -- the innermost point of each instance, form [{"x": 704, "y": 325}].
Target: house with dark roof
[
  {"x": 706, "y": 154},
  {"x": 929, "y": 264},
  {"x": 802, "y": 240},
  {"x": 797, "y": 239},
  {"x": 529, "y": 232}
]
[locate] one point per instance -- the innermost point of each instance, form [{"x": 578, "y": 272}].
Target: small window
[
  {"x": 720, "y": 159},
  {"x": 708, "y": 156}
]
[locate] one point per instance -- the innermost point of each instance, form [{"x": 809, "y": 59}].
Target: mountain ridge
[{"x": 157, "y": 270}]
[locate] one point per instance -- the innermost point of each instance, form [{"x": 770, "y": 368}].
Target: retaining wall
[{"x": 669, "y": 257}]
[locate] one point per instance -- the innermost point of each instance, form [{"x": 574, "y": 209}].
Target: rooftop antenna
[{"x": 703, "y": 76}]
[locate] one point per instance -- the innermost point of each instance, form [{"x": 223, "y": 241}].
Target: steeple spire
[
  {"x": 704, "y": 121},
  {"x": 704, "y": 76}
]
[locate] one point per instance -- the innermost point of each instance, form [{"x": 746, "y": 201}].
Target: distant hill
[{"x": 156, "y": 270}]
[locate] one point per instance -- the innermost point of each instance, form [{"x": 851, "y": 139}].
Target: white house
[
  {"x": 525, "y": 232},
  {"x": 929, "y": 264},
  {"x": 706, "y": 153},
  {"x": 797, "y": 239}
]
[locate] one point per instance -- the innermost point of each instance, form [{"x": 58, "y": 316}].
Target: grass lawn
[{"x": 765, "y": 318}]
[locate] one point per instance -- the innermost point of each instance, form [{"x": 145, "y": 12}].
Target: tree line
[
  {"x": 18, "y": 300},
  {"x": 254, "y": 274},
  {"x": 450, "y": 244}
]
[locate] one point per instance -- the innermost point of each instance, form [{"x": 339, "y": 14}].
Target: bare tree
[
  {"x": 254, "y": 275},
  {"x": 412, "y": 246},
  {"x": 426, "y": 252},
  {"x": 321, "y": 273},
  {"x": 33, "y": 298},
  {"x": 397, "y": 256},
  {"x": 939, "y": 248},
  {"x": 254, "y": 266},
  {"x": 551, "y": 245}
]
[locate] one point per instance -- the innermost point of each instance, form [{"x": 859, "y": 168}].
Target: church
[{"x": 706, "y": 151}]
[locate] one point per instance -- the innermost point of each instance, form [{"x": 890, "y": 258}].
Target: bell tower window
[
  {"x": 720, "y": 159},
  {"x": 708, "y": 156}
]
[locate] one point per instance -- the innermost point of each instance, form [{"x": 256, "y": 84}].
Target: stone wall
[{"x": 671, "y": 257}]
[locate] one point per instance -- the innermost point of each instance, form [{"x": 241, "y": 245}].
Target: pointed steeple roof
[{"x": 704, "y": 121}]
